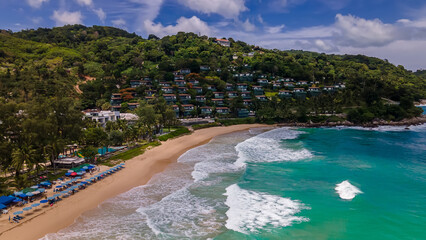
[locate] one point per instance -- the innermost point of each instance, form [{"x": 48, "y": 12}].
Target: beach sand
[{"x": 137, "y": 171}]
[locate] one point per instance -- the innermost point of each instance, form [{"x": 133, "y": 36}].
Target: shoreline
[
  {"x": 406, "y": 122},
  {"x": 138, "y": 171}
]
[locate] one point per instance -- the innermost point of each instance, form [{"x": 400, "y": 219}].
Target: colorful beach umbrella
[{"x": 18, "y": 212}]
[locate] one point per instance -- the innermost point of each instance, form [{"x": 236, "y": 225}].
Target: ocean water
[{"x": 324, "y": 183}]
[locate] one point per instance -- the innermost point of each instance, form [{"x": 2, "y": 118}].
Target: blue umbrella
[
  {"x": 35, "y": 186},
  {"x": 85, "y": 167},
  {"x": 65, "y": 192},
  {"x": 29, "y": 194},
  {"x": 57, "y": 195},
  {"x": 50, "y": 198},
  {"x": 85, "y": 182},
  {"x": 59, "y": 186},
  {"x": 90, "y": 167},
  {"x": 18, "y": 212},
  {"x": 70, "y": 171},
  {"x": 78, "y": 178},
  {"x": 44, "y": 201},
  {"x": 41, "y": 190},
  {"x": 17, "y": 200},
  {"x": 18, "y": 193},
  {"x": 67, "y": 174},
  {"x": 35, "y": 205},
  {"x": 27, "y": 208},
  {"x": 22, "y": 195}
]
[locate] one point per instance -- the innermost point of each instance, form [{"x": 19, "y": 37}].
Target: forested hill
[{"x": 50, "y": 62}]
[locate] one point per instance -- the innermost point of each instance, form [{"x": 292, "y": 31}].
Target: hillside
[{"x": 116, "y": 57}]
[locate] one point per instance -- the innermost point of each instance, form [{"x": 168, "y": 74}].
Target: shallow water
[{"x": 279, "y": 184}]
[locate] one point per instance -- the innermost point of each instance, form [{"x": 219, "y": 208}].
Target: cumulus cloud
[
  {"x": 64, "y": 17},
  {"x": 226, "y": 8},
  {"x": 317, "y": 45},
  {"x": 36, "y": 3},
  {"x": 359, "y": 32},
  {"x": 193, "y": 24}
]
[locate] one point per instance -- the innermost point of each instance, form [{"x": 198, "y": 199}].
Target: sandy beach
[{"x": 137, "y": 171}]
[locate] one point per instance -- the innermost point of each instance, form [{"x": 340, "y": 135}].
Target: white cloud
[
  {"x": 193, "y": 24},
  {"x": 119, "y": 23},
  {"x": 36, "y": 3},
  {"x": 359, "y": 32},
  {"x": 248, "y": 26},
  {"x": 274, "y": 29},
  {"x": 100, "y": 13},
  {"x": 64, "y": 17},
  {"x": 85, "y": 2},
  {"x": 226, "y": 8}
]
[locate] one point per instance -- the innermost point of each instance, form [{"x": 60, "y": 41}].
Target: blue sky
[{"x": 388, "y": 29}]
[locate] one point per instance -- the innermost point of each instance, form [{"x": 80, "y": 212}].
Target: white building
[{"x": 102, "y": 117}]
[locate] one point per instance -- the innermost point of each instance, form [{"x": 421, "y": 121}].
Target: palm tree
[{"x": 25, "y": 155}]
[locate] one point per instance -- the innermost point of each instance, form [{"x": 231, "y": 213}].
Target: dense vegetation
[{"x": 48, "y": 76}]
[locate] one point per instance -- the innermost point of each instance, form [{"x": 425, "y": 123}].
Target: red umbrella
[{"x": 73, "y": 174}]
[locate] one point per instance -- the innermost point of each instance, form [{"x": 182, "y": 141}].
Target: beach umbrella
[
  {"x": 59, "y": 186},
  {"x": 80, "y": 173},
  {"x": 67, "y": 174},
  {"x": 78, "y": 178},
  {"x": 41, "y": 190},
  {"x": 29, "y": 194},
  {"x": 57, "y": 195},
  {"x": 70, "y": 171},
  {"x": 73, "y": 174},
  {"x": 27, "y": 208},
  {"x": 18, "y": 193},
  {"x": 90, "y": 167},
  {"x": 35, "y": 205},
  {"x": 22, "y": 195},
  {"x": 35, "y": 186},
  {"x": 17, "y": 200},
  {"x": 36, "y": 192},
  {"x": 65, "y": 191},
  {"x": 50, "y": 198},
  {"x": 18, "y": 212},
  {"x": 44, "y": 201},
  {"x": 85, "y": 167}
]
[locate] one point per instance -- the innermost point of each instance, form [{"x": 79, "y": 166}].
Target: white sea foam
[
  {"x": 266, "y": 147},
  {"x": 251, "y": 211},
  {"x": 416, "y": 128},
  {"x": 346, "y": 190},
  {"x": 182, "y": 215}
]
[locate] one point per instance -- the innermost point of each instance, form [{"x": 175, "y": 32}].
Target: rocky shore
[{"x": 405, "y": 122}]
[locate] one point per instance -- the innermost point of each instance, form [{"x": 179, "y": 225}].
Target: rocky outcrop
[{"x": 405, "y": 122}]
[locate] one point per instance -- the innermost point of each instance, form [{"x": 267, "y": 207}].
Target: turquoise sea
[{"x": 278, "y": 184}]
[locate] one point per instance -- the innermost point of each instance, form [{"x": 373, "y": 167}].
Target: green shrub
[
  {"x": 178, "y": 132},
  {"x": 229, "y": 122},
  {"x": 207, "y": 125}
]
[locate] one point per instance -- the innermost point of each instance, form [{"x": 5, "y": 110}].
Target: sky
[{"x": 389, "y": 29}]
